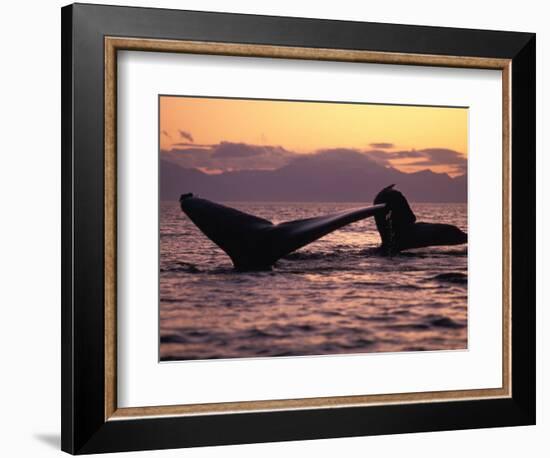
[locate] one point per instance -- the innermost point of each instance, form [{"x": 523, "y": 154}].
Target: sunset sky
[{"x": 216, "y": 135}]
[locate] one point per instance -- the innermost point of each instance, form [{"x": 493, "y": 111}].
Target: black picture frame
[{"x": 84, "y": 427}]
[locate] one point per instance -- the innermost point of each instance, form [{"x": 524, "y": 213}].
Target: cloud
[
  {"x": 387, "y": 157},
  {"x": 343, "y": 155},
  {"x": 186, "y": 135},
  {"x": 193, "y": 145},
  {"x": 166, "y": 134},
  {"x": 382, "y": 145},
  {"x": 236, "y": 150},
  {"x": 229, "y": 156},
  {"x": 442, "y": 156},
  {"x": 428, "y": 158}
]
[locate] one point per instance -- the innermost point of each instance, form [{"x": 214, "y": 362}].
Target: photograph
[
  {"x": 294, "y": 228},
  {"x": 266, "y": 219}
]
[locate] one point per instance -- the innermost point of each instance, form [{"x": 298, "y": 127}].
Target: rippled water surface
[{"x": 333, "y": 296}]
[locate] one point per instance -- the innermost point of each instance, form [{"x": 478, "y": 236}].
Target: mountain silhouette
[{"x": 330, "y": 176}]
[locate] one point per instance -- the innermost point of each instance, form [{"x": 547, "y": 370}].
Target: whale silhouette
[
  {"x": 255, "y": 243},
  {"x": 399, "y": 230}
]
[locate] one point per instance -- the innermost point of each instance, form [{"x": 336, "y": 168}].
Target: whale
[
  {"x": 399, "y": 230},
  {"x": 254, "y": 243}
]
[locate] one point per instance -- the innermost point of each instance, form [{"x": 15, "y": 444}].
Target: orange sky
[{"x": 305, "y": 127}]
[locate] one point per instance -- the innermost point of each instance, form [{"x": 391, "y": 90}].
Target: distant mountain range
[{"x": 350, "y": 177}]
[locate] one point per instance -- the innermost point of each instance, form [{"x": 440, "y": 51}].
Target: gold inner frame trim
[{"x": 114, "y": 44}]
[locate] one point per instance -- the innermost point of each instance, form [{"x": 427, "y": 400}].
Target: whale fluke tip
[{"x": 186, "y": 196}]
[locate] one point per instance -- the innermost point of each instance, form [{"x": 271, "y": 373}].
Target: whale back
[{"x": 423, "y": 235}]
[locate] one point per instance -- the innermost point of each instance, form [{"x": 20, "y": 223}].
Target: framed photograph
[{"x": 281, "y": 228}]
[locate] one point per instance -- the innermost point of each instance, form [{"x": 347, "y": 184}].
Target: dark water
[{"x": 333, "y": 296}]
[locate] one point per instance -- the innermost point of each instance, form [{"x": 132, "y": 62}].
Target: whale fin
[
  {"x": 399, "y": 229},
  {"x": 255, "y": 243}
]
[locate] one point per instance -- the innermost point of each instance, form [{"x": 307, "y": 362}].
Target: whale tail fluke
[
  {"x": 255, "y": 243},
  {"x": 292, "y": 235},
  {"x": 235, "y": 232}
]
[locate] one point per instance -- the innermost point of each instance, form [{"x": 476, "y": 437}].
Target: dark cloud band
[{"x": 230, "y": 156}]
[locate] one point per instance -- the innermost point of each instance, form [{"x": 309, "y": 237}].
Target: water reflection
[{"x": 333, "y": 296}]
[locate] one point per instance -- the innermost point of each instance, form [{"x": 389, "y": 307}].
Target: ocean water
[{"x": 334, "y": 296}]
